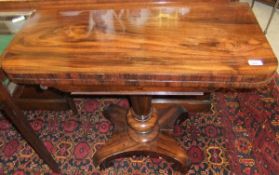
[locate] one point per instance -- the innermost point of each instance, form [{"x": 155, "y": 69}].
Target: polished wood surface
[
  {"x": 7, "y": 5},
  {"x": 141, "y": 109},
  {"x": 146, "y": 136},
  {"x": 191, "y": 103},
  {"x": 186, "y": 45}
]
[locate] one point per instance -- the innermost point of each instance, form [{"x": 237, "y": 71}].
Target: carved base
[{"x": 157, "y": 142}]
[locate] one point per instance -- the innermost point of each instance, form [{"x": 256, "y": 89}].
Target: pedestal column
[{"x": 137, "y": 132}]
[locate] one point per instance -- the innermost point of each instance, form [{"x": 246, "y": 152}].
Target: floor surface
[{"x": 239, "y": 137}]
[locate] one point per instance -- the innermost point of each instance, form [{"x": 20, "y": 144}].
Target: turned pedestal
[{"x": 142, "y": 131}]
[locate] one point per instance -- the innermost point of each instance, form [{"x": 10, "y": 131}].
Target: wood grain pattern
[
  {"x": 191, "y": 103},
  {"x": 85, "y": 4},
  {"x": 141, "y": 109},
  {"x": 121, "y": 145},
  {"x": 178, "y": 46}
]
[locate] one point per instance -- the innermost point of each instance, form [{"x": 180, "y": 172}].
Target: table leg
[
  {"x": 138, "y": 132},
  {"x": 16, "y": 116}
]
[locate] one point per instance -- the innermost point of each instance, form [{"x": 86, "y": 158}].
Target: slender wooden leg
[
  {"x": 140, "y": 134},
  {"x": 16, "y": 116}
]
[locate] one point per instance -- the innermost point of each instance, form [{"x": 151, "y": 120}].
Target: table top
[
  {"x": 7, "y": 5},
  {"x": 179, "y": 45}
]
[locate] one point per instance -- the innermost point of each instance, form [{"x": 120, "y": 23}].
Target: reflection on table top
[
  {"x": 184, "y": 42},
  {"x": 11, "y": 23},
  {"x": 89, "y": 4}
]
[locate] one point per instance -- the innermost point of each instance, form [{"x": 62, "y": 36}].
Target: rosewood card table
[{"x": 141, "y": 50}]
